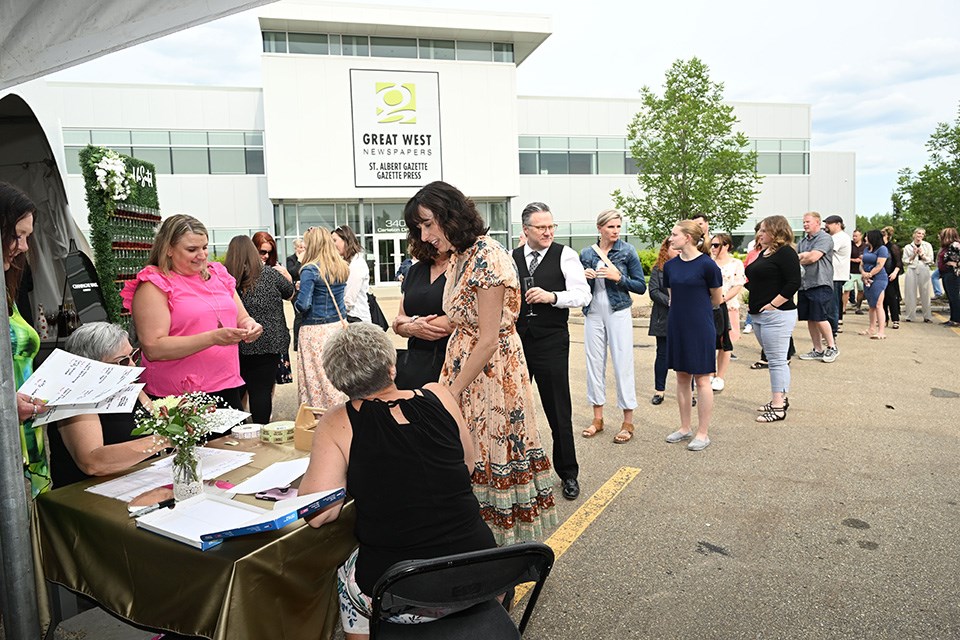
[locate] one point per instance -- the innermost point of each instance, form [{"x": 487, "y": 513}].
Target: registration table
[{"x": 273, "y": 585}]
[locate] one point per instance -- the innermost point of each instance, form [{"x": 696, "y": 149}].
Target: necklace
[{"x": 204, "y": 296}]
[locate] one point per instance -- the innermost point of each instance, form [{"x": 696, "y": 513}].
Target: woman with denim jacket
[
  {"x": 323, "y": 278},
  {"x": 608, "y": 321}
]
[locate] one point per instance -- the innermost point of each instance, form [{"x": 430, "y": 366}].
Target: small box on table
[{"x": 304, "y": 426}]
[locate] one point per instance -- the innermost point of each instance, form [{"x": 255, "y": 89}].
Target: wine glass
[{"x": 527, "y": 285}]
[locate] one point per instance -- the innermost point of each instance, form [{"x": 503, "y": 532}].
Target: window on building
[
  {"x": 159, "y": 157},
  {"x": 110, "y": 137},
  {"x": 768, "y": 163},
  {"x": 503, "y": 52},
  {"x": 477, "y": 51},
  {"x": 274, "y": 42},
  {"x": 583, "y": 163},
  {"x": 554, "y": 163},
  {"x": 190, "y": 161},
  {"x": 227, "y": 161},
  {"x": 393, "y": 47},
  {"x": 356, "y": 46},
  {"x": 438, "y": 49},
  {"x": 312, "y": 43},
  {"x": 254, "y": 161},
  {"x": 151, "y": 138},
  {"x": 529, "y": 163},
  {"x": 610, "y": 162}
]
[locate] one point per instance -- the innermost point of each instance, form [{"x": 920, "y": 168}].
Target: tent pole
[{"x": 20, "y": 614}]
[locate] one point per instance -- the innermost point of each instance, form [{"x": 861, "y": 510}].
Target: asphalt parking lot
[{"x": 839, "y": 522}]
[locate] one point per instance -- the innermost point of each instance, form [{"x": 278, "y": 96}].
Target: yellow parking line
[
  {"x": 956, "y": 330},
  {"x": 583, "y": 517}
]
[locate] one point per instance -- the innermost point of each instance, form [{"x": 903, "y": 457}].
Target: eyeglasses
[
  {"x": 132, "y": 359},
  {"x": 542, "y": 228},
  {"x": 715, "y": 245},
  {"x": 264, "y": 253}
]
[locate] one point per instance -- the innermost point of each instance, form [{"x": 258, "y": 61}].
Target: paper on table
[
  {"x": 121, "y": 402},
  {"x": 215, "y": 462},
  {"x": 66, "y": 379},
  {"x": 128, "y": 487},
  {"x": 279, "y": 474},
  {"x": 224, "y": 419}
]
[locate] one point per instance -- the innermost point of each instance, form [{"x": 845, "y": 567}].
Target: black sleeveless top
[
  {"x": 116, "y": 428},
  {"x": 410, "y": 486},
  {"x": 423, "y": 298}
]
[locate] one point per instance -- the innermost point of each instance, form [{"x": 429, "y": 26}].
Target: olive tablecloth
[{"x": 274, "y": 585}]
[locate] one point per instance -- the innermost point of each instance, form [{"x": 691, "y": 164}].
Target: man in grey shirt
[{"x": 815, "y": 298}]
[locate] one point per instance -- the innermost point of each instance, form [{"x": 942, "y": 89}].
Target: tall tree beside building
[
  {"x": 930, "y": 198},
  {"x": 689, "y": 159}
]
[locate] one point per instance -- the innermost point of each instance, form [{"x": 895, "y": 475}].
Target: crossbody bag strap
[
  {"x": 603, "y": 255},
  {"x": 343, "y": 323}
]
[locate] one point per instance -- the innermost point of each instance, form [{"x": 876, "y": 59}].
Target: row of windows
[
  {"x": 588, "y": 155},
  {"x": 175, "y": 152},
  {"x": 334, "y": 44}
]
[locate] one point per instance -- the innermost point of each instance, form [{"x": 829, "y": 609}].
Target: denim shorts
[{"x": 815, "y": 304}]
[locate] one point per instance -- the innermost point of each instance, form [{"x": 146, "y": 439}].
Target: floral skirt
[
  {"x": 512, "y": 477},
  {"x": 314, "y": 387}
]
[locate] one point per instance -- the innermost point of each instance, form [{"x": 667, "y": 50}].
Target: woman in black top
[
  {"x": 773, "y": 279},
  {"x": 894, "y": 268},
  {"x": 658, "y": 319},
  {"x": 262, "y": 290},
  {"x": 420, "y": 306},
  {"x": 403, "y": 457},
  {"x": 99, "y": 444}
]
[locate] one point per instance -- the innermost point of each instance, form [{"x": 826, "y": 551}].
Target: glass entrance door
[{"x": 390, "y": 252}]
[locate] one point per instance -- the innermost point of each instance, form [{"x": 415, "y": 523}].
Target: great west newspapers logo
[{"x": 396, "y": 102}]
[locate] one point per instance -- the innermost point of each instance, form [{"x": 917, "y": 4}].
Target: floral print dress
[{"x": 512, "y": 478}]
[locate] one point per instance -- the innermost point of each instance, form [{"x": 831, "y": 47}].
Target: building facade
[{"x": 361, "y": 106}]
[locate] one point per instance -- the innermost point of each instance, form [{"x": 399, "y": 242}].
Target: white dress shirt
[
  {"x": 576, "y": 291},
  {"x": 912, "y": 257}
]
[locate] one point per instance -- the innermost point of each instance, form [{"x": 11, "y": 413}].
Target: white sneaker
[
  {"x": 717, "y": 384},
  {"x": 748, "y": 329}
]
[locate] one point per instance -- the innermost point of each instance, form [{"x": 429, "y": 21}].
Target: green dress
[{"x": 25, "y": 343}]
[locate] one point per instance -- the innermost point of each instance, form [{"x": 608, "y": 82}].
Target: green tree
[
  {"x": 690, "y": 160},
  {"x": 930, "y": 198},
  {"x": 877, "y": 221}
]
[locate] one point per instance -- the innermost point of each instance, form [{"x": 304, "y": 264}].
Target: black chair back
[{"x": 459, "y": 582}]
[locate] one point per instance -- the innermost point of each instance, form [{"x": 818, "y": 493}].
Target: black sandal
[
  {"x": 769, "y": 406},
  {"x": 759, "y": 364},
  {"x": 774, "y": 415}
]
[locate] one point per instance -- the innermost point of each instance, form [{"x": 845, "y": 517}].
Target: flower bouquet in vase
[{"x": 184, "y": 420}]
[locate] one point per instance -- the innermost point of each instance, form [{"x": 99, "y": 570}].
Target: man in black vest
[{"x": 559, "y": 284}]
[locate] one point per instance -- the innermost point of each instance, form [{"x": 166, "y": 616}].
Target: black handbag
[
  {"x": 417, "y": 367},
  {"x": 284, "y": 371},
  {"x": 376, "y": 313}
]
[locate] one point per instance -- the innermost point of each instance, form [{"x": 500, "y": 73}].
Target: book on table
[{"x": 205, "y": 521}]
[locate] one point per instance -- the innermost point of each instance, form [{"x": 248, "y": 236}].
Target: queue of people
[{"x": 455, "y": 411}]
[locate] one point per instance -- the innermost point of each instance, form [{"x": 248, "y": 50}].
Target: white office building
[{"x": 361, "y": 106}]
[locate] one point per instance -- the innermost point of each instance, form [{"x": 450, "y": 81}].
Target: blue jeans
[
  {"x": 773, "y": 330},
  {"x": 935, "y": 281}
]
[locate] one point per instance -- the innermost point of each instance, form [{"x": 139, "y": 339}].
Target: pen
[{"x": 170, "y": 502}]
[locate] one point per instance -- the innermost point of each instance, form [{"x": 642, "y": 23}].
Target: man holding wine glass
[{"x": 553, "y": 281}]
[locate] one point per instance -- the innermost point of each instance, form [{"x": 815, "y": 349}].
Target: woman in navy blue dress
[
  {"x": 694, "y": 283},
  {"x": 874, "y": 282}
]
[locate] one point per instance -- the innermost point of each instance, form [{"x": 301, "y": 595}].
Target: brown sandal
[
  {"x": 595, "y": 427},
  {"x": 626, "y": 433}
]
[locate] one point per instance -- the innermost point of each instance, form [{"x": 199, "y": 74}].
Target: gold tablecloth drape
[{"x": 275, "y": 585}]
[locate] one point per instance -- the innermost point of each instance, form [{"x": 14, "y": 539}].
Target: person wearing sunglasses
[
  {"x": 733, "y": 280},
  {"x": 100, "y": 444},
  {"x": 267, "y": 248}
]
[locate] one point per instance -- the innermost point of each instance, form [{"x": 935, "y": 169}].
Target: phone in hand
[{"x": 277, "y": 493}]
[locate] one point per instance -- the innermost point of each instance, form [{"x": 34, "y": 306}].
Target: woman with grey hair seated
[
  {"x": 99, "y": 444},
  {"x": 404, "y": 457}
]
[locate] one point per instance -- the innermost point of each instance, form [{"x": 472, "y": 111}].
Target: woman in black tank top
[{"x": 402, "y": 456}]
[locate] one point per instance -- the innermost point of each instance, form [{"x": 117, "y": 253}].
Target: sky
[{"x": 879, "y": 75}]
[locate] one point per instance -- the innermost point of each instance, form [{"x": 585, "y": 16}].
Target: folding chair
[{"x": 468, "y": 583}]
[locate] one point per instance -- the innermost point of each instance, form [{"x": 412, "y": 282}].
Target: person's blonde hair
[
  {"x": 171, "y": 231},
  {"x": 813, "y": 214},
  {"x": 320, "y": 251},
  {"x": 607, "y": 215},
  {"x": 889, "y": 232},
  {"x": 692, "y": 229},
  {"x": 779, "y": 231}
]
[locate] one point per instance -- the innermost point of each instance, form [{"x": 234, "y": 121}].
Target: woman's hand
[
  {"x": 28, "y": 407},
  {"x": 768, "y": 307},
  {"x": 609, "y": 273},
  {"x": 590, "y": 274},
  {"x": 283, "y": 271},
  {"x": 421, "y": 328},
  {"x": 253, "y": 328},
  {"x": 226, "y": 336}
]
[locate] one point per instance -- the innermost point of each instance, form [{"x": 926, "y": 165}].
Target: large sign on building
[{"x": 396, "y": 128}]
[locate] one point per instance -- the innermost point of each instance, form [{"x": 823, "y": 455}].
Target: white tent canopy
[{"x": 38, "y": 37}]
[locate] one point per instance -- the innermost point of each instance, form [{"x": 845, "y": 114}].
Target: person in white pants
[
  {"x": 613, "y": 271},
  {"x": 917, "y": 258}
]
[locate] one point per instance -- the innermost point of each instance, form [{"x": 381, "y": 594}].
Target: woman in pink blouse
[{"x": 188, "y": 316}]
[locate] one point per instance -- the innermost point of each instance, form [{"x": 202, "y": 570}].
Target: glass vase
[{"x": 187, "y": 473}]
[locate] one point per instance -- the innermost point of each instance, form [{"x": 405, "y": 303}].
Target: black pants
[
  {"x": 891, "y": 300},
  {"x": 660, "y": 365},
  {"x": 951, "y": 287},
  {"x": 548, "y": 360},
  {"x": 259, "y": 373}
]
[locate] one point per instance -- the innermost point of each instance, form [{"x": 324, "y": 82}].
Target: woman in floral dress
[{"x": 485, "y": 366}]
